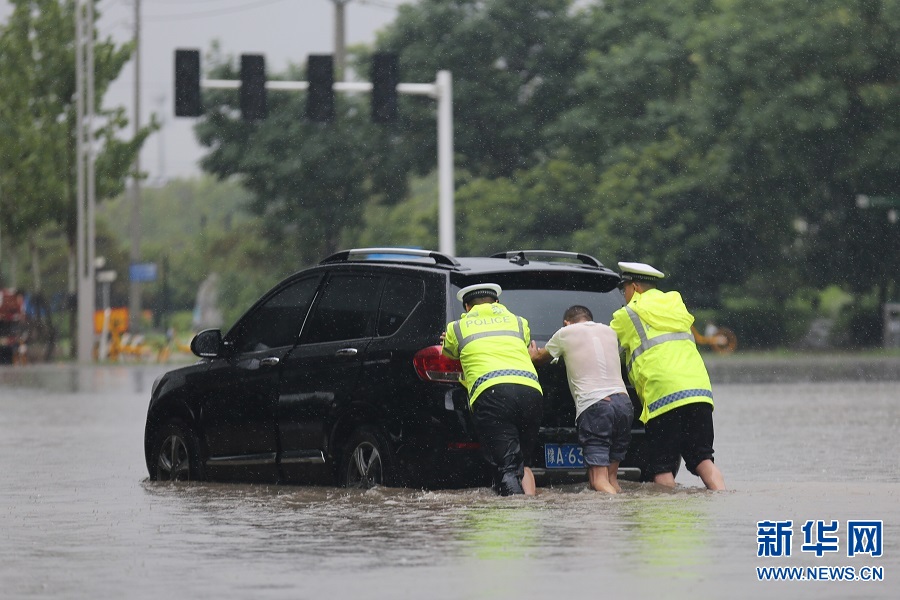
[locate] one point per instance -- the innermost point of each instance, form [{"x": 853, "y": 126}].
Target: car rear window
[
  {"x": 544, "y": 308},
  {"x": 542, "y": 299}
]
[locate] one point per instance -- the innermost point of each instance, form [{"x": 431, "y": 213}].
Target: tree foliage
[
  {"x": 739, "y": 133},
  {"x": 38, "y": 119},
  {"x": 513, "y": 64}
]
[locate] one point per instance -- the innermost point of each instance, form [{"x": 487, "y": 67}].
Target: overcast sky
[{"x": 282, "y": 30}]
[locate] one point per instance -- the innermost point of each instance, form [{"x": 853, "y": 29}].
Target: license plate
[{"x": 563, "y": 456}]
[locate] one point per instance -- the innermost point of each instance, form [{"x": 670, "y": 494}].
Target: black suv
[{"x": 336, "y": 376}]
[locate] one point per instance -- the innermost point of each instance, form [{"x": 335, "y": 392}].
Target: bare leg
[
  {"x": 614, "y": 476},
  {"x": 711, "y": 476},
  {"x": 665, "y": 479},
  {"x": 528, "y": 483},
  {"x": 599, "y": 477}
]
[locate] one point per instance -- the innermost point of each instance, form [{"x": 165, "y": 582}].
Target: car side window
[
  {"x": 400, "y": 297},
  {"x": 277, "y": 322},
  {"x": 345, "y": 309}
]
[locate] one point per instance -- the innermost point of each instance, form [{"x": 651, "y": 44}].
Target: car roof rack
[
  {"x": 391, "y": 254},
  {"x": 521, "y": 256}
]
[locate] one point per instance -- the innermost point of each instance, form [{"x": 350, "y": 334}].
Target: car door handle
[
  {"x": 270, "y": 361},
  {"x": 346, "y": 352}
]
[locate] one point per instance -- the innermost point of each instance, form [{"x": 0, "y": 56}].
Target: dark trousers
[{"x": 507, "y": 419}]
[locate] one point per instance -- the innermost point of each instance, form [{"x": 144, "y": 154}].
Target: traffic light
[
  {"x": 187, "y": 83},
  {"x": 253, "y": 87},
  {"x": 320, "y": 94},
  {"x": 385, "y": 77}
]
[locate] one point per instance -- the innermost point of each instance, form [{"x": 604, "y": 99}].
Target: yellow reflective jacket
[
  {"x": 661, "y": 356},
  {"x": 492, "y": 345}
]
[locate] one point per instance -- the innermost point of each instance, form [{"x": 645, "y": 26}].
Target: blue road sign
[{"x": 142, "y": 272}]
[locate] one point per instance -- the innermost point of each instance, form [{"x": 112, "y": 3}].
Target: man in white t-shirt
[{"x": 603, "y": 410}]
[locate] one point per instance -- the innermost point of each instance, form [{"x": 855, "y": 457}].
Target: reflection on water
[
  {"x": 671, "y": 537},
  {"x": 499, "y": 532},
  {"x": 73, "y": 379},
  {"x": 79, "y": 519}
]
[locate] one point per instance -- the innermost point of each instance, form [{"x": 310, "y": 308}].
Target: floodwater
[{"x": 78, "y": 518}]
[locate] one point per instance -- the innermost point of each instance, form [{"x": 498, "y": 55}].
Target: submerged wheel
[
  {"x": 177, "y": 454},
  {"x": 367, "y": 461}
]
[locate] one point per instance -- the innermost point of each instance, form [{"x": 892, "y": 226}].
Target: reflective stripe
[
  {"x": 502, "y": 373},
  {"x": 462, "y": 341},
  {"x": 666, "y": 400},
  {"x": 638, "y": 326},
  {"x": 647, "y": 343}
]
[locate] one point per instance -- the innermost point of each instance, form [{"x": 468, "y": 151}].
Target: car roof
[
  {"x": 476, "y": 265},
  {"x": 507, "y": 262}
]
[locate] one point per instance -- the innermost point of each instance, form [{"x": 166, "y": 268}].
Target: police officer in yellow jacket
[
  {"x": 504, "y": 393},
  {"x": 667, "y": 371}
]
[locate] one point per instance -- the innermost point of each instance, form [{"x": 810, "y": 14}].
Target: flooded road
[{"x": 78, "y": 518}]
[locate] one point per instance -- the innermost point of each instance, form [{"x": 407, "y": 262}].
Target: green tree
[
  {"x": 513, "y": 64},
  {"x": 38, "y": 120},
  {"x": 738, "y": 132},
  {"x": 540, "y": 208},
  {"x": 816, "y": 120},
  {"x": 412, "y": 222},
  {"x": 189, "y": 248}
]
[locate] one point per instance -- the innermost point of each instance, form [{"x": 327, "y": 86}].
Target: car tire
[
  {"x": 177, "y": 454},
  {"x": 367, "y": 461}
]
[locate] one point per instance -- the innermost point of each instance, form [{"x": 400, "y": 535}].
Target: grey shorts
[{"x": 604, "y": 430}]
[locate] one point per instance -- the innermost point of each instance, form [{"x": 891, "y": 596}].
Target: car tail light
[
  {"x": 432, "y": 365},
  {"x": 463, "y": 446}
]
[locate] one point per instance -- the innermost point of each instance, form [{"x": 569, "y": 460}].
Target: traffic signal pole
[{"x": 442, "y": 91}]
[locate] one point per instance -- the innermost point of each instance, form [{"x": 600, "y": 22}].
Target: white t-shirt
[{"x": 591, "y": 352}]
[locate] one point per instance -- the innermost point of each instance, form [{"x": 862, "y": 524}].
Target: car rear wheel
[
  {"x": 367, "y": 461},
  {"x": 177, "y": 454}
]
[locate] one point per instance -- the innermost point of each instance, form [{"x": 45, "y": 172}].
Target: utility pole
[
  {"x": 340, "y": 39},
  {"x": 161, "y": 141},
  {"x": 84, "y": 86},
  {"x": 134, "y": 287}
]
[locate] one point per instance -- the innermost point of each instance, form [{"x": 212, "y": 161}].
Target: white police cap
[
  {"x": 479, "y": 290},
  {"x": 639, "y": 272}
]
